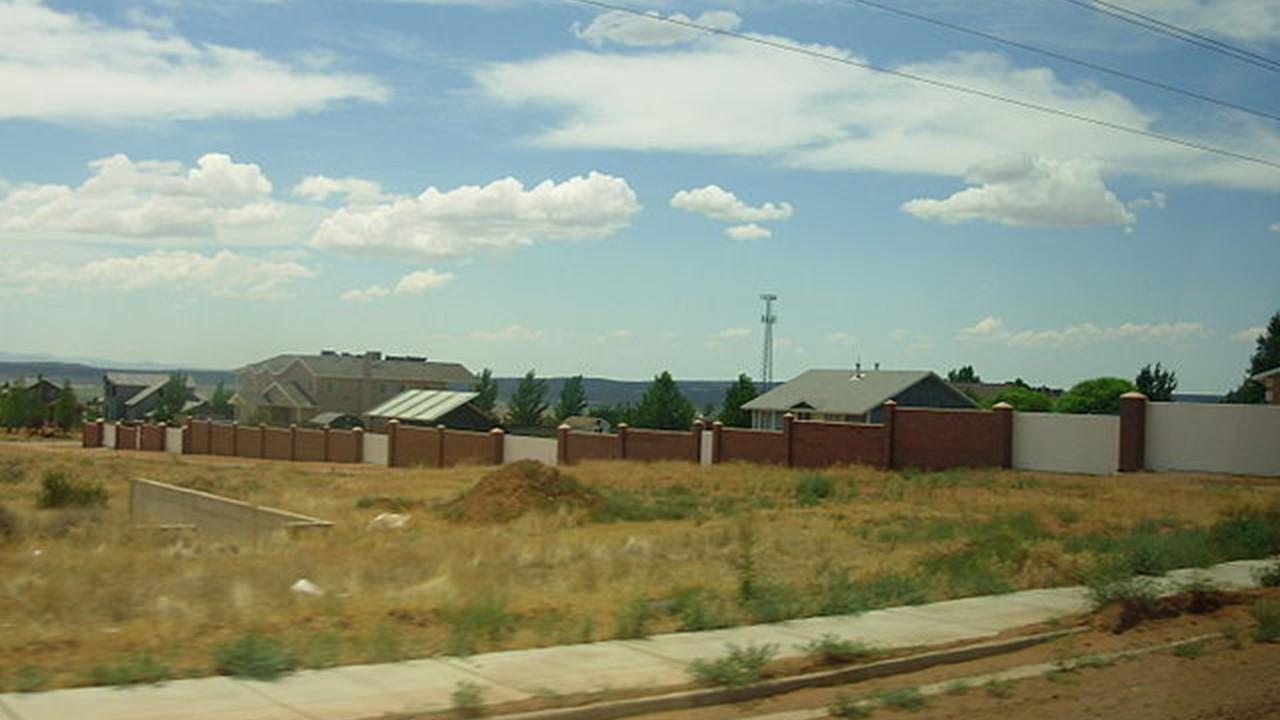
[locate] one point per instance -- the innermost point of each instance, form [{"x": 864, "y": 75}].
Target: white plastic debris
[
  {"x": 390, "y": 521},
  {"x": 306, "y": 587},
  {"x": 37, "y": 552}
]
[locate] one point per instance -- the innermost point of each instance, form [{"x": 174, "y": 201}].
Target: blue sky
[{"x": 529, "y": 184}]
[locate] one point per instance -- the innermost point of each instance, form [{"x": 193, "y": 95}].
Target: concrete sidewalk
[{"x": 364, "y": 691}]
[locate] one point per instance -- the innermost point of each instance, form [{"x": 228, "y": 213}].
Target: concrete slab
[
  {"x": 686, "y": 647},
  {"x": 995, "y": 613},
  {"x": 215, "y": 698},
  {"x": 567, "y": 669},
  {"x": 894, "y": 628}
]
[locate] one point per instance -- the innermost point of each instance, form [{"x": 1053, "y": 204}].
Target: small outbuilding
[{"x": 451, "y": 408}]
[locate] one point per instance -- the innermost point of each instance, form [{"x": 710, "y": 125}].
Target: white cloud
[
  {"x": 1275, "y": 227},
  {"x": 69, "y": 66},
  {"x": 467, "y": 219},
  {"x": 750, "y": 231},
  {"x": 620, "y": 334},
  {"x": 715, "y": 202},
  {"x": 626, "y": 28},
  {"x": 1249, "y": 334},
  {"x": 146, "y": 199},
  {"x": 899, "y": 334},
  {"x": 725, "y": 96},
  {"x": 733, "y": 332},
  {"x": 355, "y": 191},
  {"x": 992, "y": 329},
  {"x": 1247, "y": 20},
  {"x": 415, "y": 283},
  {"x": 840, "y": 338},
  {"x": 507, "y": 334},
  {"x": 221, "y": 274},
  {"x": 1030, "y": 191},
  {"x": 1157, "y": 200}
]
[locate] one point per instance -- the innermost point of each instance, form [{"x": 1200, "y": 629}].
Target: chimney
[{"x": 877, "y": 366}]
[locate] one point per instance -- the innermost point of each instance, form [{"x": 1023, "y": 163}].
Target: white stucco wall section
[
  {"x": 376, "y": 449},
  {"x": 1066, "y": 443},
  {"x": 109, "y": 435},
  {"x": 519, "y": 447},
  {"x": 1240, "y": 439},
  {"x": 173, "y": 440}
]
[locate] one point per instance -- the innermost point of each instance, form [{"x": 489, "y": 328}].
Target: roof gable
[
  {"x": 838, "y": 391},
  {"x": 422, "y": 405}
]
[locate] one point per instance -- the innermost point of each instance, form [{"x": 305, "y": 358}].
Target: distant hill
[{"x": 601, "y": 391}]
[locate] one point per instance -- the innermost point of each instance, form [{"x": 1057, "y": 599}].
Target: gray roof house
[
  {"x": 851, "y": 396},
  {"x": 293, "y": 388},
  {"x": 450, "y": 408},
  {"x": 133, "y": 396}
]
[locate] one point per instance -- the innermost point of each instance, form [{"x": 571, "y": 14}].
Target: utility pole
[{"x": 766, "y": 368}]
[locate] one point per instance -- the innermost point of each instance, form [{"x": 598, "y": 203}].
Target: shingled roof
[
  {"x": 390, "y": 367},
  {"x": 846, "y": 392}
]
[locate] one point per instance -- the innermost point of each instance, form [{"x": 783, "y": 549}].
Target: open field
[{"x": 85, "y": 599}]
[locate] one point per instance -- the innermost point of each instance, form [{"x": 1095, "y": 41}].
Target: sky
[{"x": 551, "y": 185}]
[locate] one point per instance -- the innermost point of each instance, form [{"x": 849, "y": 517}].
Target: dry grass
[{"x": 80, "y": 589}]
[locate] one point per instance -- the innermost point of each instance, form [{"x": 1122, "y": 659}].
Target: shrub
[
  {"x": 774, "y": 602},
  {"x": 812, "y": 489},
  {"x": 255, "y": 656},
  {"x": 59, "y": 489},
  {"x": 1267, "y": 613},
  {"x": 904, "y": 699},
  {"x": 486, "y": 619},
  {"x": 739, "y": 668},
  {"x": 833, "y": 650},
  {"x": 131, "y": 670},
  {"x": 633, "y": 619},
  {"x": 1190, "y": 650},
  {"x": 1000, "y": 688},
  {"x": 324, "y": 650},
  {"x": 12, "y": 471},
  {"x": 467, "y": 700},
  {"x": 8, "y": 523},
  {"x": 1096, "y": 396},
  {"x": 699, "y": 609},
  {"x": 1268, "y": 576},
  {"x": 31, "y": 678},
  {"x": 667, "y": 503}
]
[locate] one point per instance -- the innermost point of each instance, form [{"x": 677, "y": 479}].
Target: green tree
[
  {"x": 964, "y": 374},
  {"x": 64, "y": 410},
  {"x": 572, "y": 400},
  {"x": 735, "y": 396},
  {"x": 614, "y": 414},
  {"x": 1266, "y": 355},
  {"x": 487, "y": 388},
  {"x": 17, "y": 406},
  {"x": 663, "y": 406},
  {"x": 220, "y": 402},
  {"x": 1099, "y": 396},
  {"x": 1024, "y": 399},
  {"x": 172, "y": 397},
  {"x": 1156, "y": 383},
  {"x": 528, "y": 402}
]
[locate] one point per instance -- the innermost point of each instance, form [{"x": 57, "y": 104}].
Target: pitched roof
[
  {"x": 422, "y": 405},
  {"x": 1266, "y": 374},
  {"x": 292, "y": 394},
  {"x": 389, "y": 367},
  {"x": 838, "y": 391},
  {"x": 135, "y": 379},
  {"x": 151, "y": 389}
]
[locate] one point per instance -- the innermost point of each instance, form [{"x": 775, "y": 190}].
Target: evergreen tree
[
  {"x": 64, "y": 411},
  {"x": 735, "y": 396},
  {"x": 614, "y": 414},
  {"x": 663, "y": 406},
  {"x": 173, "y": 396},
  {"x": 17, "y": 410},
  {"x": 220, "y": 402},
  {"x": 1156, "y": 383},
  {"x": 1266, "y": 355},
  {"x": 1099, "y": 396},
  {"x": 528, "y": 402},
  {"x": 487, "y": 388},
  {"x": 964, "y": 374},
  {"x": 573, "y": 399}
]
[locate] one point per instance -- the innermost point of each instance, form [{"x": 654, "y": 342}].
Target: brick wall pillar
[
  {"x": 440, "y": 446},
  {"x": 117, "y": 446},
  {"x": 1004, "y": 425},
  {"x": 325, "y": 454},
  {"x": 262, "y": 440},
  {"x": 187, "y": 430},
  {"x": 393, "y": 427},
  {"x": 293, "y": 441},
  {"x": 698, "y": 427},
  {"x": 208, "y": 437},
  {"x": 717, "y": 437},
  {"x": 623, "y": 428},
  {"x": 788, "y": 420},
  {"x": 498, "y": 437},
  {"x": 889, "y": 413},
  {"x": 359, "y": 439},
  {"x": 562, "y": 444},
  {"x": 1133, "y": 432}
]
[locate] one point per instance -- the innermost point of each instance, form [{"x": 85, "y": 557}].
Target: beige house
[
  {"x": 294, "y": 388},
  {"x": 1271, "y": 381}
]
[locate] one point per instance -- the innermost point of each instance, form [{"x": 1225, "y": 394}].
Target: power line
[
  {"x": 1178, "y": 33},
  {"x": 1065, "y": 58},
  {"x": 944, "y": 84}
]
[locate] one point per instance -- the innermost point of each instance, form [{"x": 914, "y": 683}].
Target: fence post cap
[
  {"x": 622, "y": 425},
  {"x": 393, "y": 421},
  {"x": 497, "y": 431},
  {"x": 717, "y": 423},
  {"x": 890, "y": 402},
  {"x": 563, "y": 426},
  {"x": 293, "y": 426},
  {"x": 786, "y": 415},
  {"x": 1133, "y": 395},
  {"x": 357, "y": 429},
  {"x": 1002, "y": 405}
]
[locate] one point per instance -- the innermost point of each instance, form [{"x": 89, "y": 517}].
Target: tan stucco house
[{"x": 293, "y": 388}]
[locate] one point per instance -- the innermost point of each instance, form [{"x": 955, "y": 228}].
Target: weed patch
[
  {"x": 739, "y": 668},
  {"x": 486, "y": 620},
  {"x": 698, "y": 608},
  {"x": 255, "y": 656},
  {"x": 132, "y": 670},
  {"x": 1000, "y": 688},
  {"x": 467, "y": 700},
  {"x": 31, "y": 678},
  {"x": 847, "y": 706},
  {"x": 60, "y": 489},
  {"x": 633, "y": 620},
  {"x": 833, "y": 650},
  {"x": 1268, "y": 576},
  {"x": 12, "y": 471},
  {"x": 904, "y": 699},
  {"x": 811, "y": 489},
  {"x": 8, "y": 523},
  {"x": 1267, "y": 613}
]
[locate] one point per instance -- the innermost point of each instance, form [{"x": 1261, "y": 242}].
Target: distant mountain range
[{"x": 86, "y": 378}]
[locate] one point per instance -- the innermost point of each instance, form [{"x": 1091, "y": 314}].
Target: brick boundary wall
[
  {"x": 742, "y": 445},
  {"x": 929, "y": 439},
  {"x": 92, "y": 434},
  {"x": 126, "y": 437},
  {"x": 151, "y": 438},
  {"x": 248, "y": 441},
  {"x": 309, "y": 445},
  {"x": 277, "y": 443},
  {"x": 816, "y": 444}
]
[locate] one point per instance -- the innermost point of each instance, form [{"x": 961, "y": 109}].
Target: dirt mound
[{"x": 517, "y": 489}]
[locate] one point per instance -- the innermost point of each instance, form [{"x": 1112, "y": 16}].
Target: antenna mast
[{"x": 766, "y": 366}]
